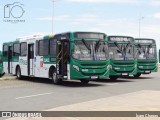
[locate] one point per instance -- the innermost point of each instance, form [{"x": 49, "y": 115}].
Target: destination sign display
[
  {"x": 149, "y": 41},
  {"x": 85, "y": 35},
  {"x": 120, "y": 39}
]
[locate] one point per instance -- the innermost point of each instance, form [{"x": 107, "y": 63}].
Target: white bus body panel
[
  {"x": 23, "y": 65},
  {"x": 13, "y": 70},
  {"x": 5, "y": 67}
]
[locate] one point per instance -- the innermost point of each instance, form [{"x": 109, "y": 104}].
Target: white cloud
[
  {"x": 154, "y": 3},
  {"x": 105, "y": 1},
  {"x": 119, "y": 26},
  {"x": 57, "y": 18},
  {"x": 44, "y": 18},
  {"x": 157, "y": 15}
]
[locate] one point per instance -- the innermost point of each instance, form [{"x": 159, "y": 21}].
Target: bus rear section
[
  {"x": 87, "y": 58},
  {"x": 1, "y": 64},
  {"x": 10, "y": 56},
  {"x": 146, "y": 54},
  {"x": 122, "y": 59}
]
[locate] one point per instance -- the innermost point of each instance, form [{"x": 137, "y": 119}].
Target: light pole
[
  {"x": 53, "y": 5},
  {"x": 141, "y": 18},
  {"x": 53, "y": 1}
]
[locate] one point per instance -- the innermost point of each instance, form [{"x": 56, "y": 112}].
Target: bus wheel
[
  {"x": 55, "y": 80},
  {"x": 18, "y": 73},
  {"x": 137, "y": 75},
  {"x": 84, "y": 81},
  {"x": 113, "y": 77}
]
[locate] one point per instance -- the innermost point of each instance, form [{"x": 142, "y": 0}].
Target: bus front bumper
[
  {"x": 89, "y": 72},
  {"x": 146, "y": 69}
]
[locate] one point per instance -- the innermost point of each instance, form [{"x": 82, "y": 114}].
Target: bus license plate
[
  {"x": 94, "y": 77},
  {"x": 124, "y": 73},
  {"x": 147, "y": 71}
]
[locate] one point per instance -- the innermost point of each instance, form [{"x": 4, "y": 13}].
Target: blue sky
[{"x": 113, "y": 17}]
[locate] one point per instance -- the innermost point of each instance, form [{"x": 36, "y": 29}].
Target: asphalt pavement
[{"x": 35, "y": 94}]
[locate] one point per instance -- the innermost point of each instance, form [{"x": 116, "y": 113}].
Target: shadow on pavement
[
  {"x": 37, "y": 80},
  {"x": 67, "y": 83},
  {"x": 78, "y": 84},
  {"x": 130, "y": 77},
  {"x": 112, "y": 81}
]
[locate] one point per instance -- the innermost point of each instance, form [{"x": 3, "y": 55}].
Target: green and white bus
[
  {"x": 72, "y": 55},
  {"x": 122, "y": 58},
  {"x": 146, "y": 54},
  {"x": 1, "y": 64}
]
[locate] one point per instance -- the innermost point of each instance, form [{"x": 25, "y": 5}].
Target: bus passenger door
[
  {"x": 30, "y": 59},
  {"x": 62, "y": 57},
  {"x": 10, "y": 59}
]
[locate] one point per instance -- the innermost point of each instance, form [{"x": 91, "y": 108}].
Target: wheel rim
[
  {"x": 54, "y": 77},
  {"x": 18, "y": 73}
]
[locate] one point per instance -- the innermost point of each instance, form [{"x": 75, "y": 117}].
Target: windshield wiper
[
  {"x": 125, "y": 48},
  {"x": 139, "y": 50},
  {"x": 84, "y": 42},
  {"x": 148, "y": 48},
  {"x": 97, "y": 44},
  {"x": 119, "y": 49}
]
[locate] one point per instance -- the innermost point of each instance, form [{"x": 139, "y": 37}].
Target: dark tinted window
[
  {"x": 37, "y": 47},
  {"x": 53, "y": 44},
  {"x": 23, "y": 49},
  {"x": 43, "y": 47},
  {"x": 5, "y": 50},
  {"x": 0, "y": 59},
  {"x": 16, "y": 50}
]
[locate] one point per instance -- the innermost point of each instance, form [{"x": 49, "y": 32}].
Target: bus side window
[
  {"x": 43, "y": 47},
  {"x": 5, "y": 50},
  {"x": 31, "y": 52},
  {"x": 16, "y": 49},
  {"x": 53, "y": 44},
  {"x": 23, "y": 49},
  {"x": 37, "y": 48}
]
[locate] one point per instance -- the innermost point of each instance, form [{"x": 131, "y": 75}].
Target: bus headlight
[{"x": 76, "y": 67}]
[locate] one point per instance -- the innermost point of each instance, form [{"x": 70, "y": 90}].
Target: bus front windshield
[
  {"x": 146, "y": 52},
  {"x": 121, "y": 51},
  {"x": 90, "y": 50}
]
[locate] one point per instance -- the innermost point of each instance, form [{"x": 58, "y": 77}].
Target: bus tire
[
  {"x": 113, "y": 77},
  {"x": 137, "y": 75},
  {"x": 18, "y": 73},
  {"x": 55, "y": 80},
  {"x": 84, "y": 81}
]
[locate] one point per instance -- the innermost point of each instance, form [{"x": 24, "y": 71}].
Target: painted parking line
[{"x": 32, "y": 96}]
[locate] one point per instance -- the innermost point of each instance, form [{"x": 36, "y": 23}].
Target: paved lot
[{"x": 40, "y": 94}]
